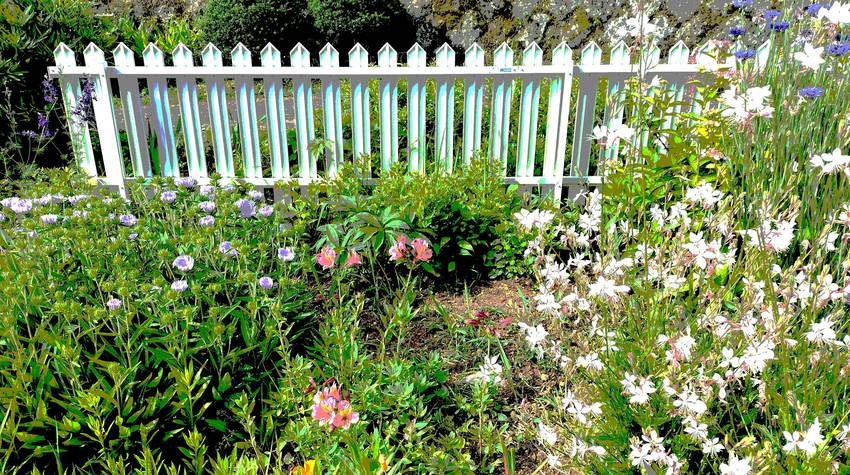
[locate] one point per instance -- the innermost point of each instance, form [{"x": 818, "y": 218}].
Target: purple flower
[
  {"x": 811, "y": 92},
  {"x": 227, "y": 249},
  {"x": 246, "y": 207},
  {"x": 74, "y": 200},
  {"x": 226, "y": 184},
  {"x": 44, "y": 200},
  {"x": 133, "y": 236},
  {"x": 206, "y": 221},
  {"x": 255, "y": 195},
  {"x": 285, "y": 254},
  {"x": 745, "y": 54},
  {"x": 33, "y": 234},
  {"x": 17, "y": 205},
  {"x": 85, "y": 214},
  {"x": 185, "y": 181},
  {"x": 49, "y": 218},
  {"x": 207, "y": 190},
  {"x": 183, "y": 263},
  {"x": 168, "y": 196},
  {"x": 741, "y": 3},
  {"x": 84, "y": 111},
  {"x": 771, "y": 14},
  {"x": 207, "y": 206},
  {"x": 179, "y": 285},
  {"x": 113, "y": 304},
  {"x": 779, "y": 25},
  {"x": 737, "y": 30},
  {"x": 266, "y": 211},
  {"x": 813, "y": 9},
  {"x": 838, "y": 49},
  {"x": 266, "y": 282},
  {"x": 42, "y": 121},
  {"x": 128, "y": 220},
  {"x": 51, "y": 92}
]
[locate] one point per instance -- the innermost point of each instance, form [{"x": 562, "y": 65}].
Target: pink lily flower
[
  {"x": 422, "y": 250},
  {"x": 326, "y": 258},
  {"x": 353, "y": 259},
  {"x": 399, "y": 248}
]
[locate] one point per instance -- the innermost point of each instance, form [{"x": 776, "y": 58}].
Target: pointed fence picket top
[
  {"x": 500, "y": 111},
  {"x": 187, "y": 93},
  {"x": 557, "y": 121},
  {"x": 299, "y": 57},
  {"x": 134, "y": 119},
  {"x": 104, "y": 113},
  {"x": 361, "y": 137},
  {"x": 444, "y": 121},
  {"x": 388, "y": 58},
  {"x": 473, "y": 103},
  {"x": 219, "y": 119},
  {"x": 591, "y": 55},
  {"x": 532, "y": 57},
  {"x": 246, "y": 106},
  {"x": 163, "y": 126},
  {"x": 416, "y": 145},
  {"x": 71, "y": 92},
  {"x": 275, "y": 113},
  {"x": 332, "y": 111}
]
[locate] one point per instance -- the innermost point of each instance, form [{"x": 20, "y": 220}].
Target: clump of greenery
[{"x": 255, "y": 23}]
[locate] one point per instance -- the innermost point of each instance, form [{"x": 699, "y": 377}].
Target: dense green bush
[
  {"x": 257, "y": 22},
  {"x": 369, "y": 22}
]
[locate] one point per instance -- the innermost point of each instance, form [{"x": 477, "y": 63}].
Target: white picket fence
[{"x": 296, "y": 84}]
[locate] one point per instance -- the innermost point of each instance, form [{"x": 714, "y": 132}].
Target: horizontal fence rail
[{"x": 268, "y": 123}]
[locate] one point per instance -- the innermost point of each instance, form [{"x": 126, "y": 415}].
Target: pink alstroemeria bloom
[
  {"x": 324, "y": 411},
  {"x": 422, "y": 250},
  {"x": 399, "y": 248},
  {"x": 326, "y": 258},
  {"x": 344, "y": 416},
  {"x": 353, "y": 259}
]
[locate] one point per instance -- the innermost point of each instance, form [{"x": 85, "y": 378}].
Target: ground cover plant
[{"x": 690, "y": 316}]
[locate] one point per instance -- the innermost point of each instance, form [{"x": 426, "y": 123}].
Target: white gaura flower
[
  {"x": 489, "y": 372},
  {"x": 838, "y": 13},
  {"x": 736, "y": 466},
  {"x": 534, "y": 336},
  {"x": 810, "y": 57},
  {"x": 638, "y": 390},
  {"x": 831, "y": 162},
  {"x": 743, "y": 108},
  {"x": 534, "y": 219},
  {"x": 689, "y": 402},
  {"x": 607, "y": 288},
  {"x": 546, "y": 434},
  {"x": 807, "y": 442},
  {"x": 821, "y": 332},
  {"x": 757, "y": 355},
  {"x": 776, "y": 239},
  {"x": 712, "y": 447},
  {"x": 609, "y": 136},
  {"x": 590, "y": 361},
  {"x": 547, "y": 303},
  {"x": 640, "y": 26},
  {"x": 705, "y": 195}
]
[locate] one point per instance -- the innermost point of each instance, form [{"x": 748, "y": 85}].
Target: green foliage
[
  {"x": 257, "y": 22},
  {"x": 346, "y": 22}
]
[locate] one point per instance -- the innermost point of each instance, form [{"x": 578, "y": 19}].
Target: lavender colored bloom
[
  {"x": 85, "y": 214},
  {"x": 44, "y": 200},
  {"x": 745, "y": 54},
  {"x": 128, "y": 220},
  {"x": 266, "y": 282},
  {"x": 227, "y": 249},
  {"x": 771, "y": 14},
  {"x": 838, "y": 49},
  {"x": 811, "y": 92},
  {"x": 246, "y": 207},
  {"x": 285, "y": 254},
  {"x": 179, "y": 286},
  {"x": 779, "y": 25},
  {"x": 207, "y": 190},
  {"x": 42, "y": 121},
  {"x": 74, "y": 200},
  {"x": 226, "y": 184},
  {"x": 255, "y": 195},
  {"x": 17, "y": 205},
  {"x": 51, "y": 92},
  {"x": 737, "y": 30},
  {"x": 113, "y": 304},
  {"x": 207, "y": 206},
  {"x": 185, "y": 181},
  {"x": 2, "y": 217},
  {"x": 84, "y": 111},
  {"x": 33, "y": 234},
  {"x": 183, "y": 263},
  {"x": 30, "y": 134},
  {"x": 133, "y": 236},
  {"x": 49, "y": 218},
  {"x": 741, "y": 3},
  {"x": 813, "y": 9},
  {"x": 266, "y": 211},
  {"x": 206, "y": 221},
  {"x": 168, "y": 196}
]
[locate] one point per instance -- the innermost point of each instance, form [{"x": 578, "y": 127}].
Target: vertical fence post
[
  {"x": 500, "y": 112},
  {"x": 473, "y": 104},
  {"x": 557, "y": 121},
  {"x": 162, "y": 113},
  {"x": 529, "y": 106},
  {"x": 240, "y": 56},
  {"x": 388, "y": 58},
  {"x": 678, "y": 55},
  {"x": 70, "y": 88},
  {"x": 444, "y": 123},
  {"x": 586, "y": 102},
  {"x": 187, "y": 93},
  {"x": 358, "y": 57},
  {"x": 705, "y": 55},
  {"x": 275, "y": 114},
  {"x": 416, "y": 145},
  {"x": 104, "y": 114},
  {"x": 219, "y": 120},
  {"x": 300, "y": 58},
  {"x": 332, "y": 107},
  {"x": 134, "y": 120},
  {"x": 614, "y": 109}
]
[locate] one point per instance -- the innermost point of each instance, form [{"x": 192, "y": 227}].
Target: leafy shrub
[
  {"x": 255, "y": 23},
  {"x": 369, "y": 22}
]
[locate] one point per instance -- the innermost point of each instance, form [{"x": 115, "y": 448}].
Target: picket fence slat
[{"x": 515, "y": 149}]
